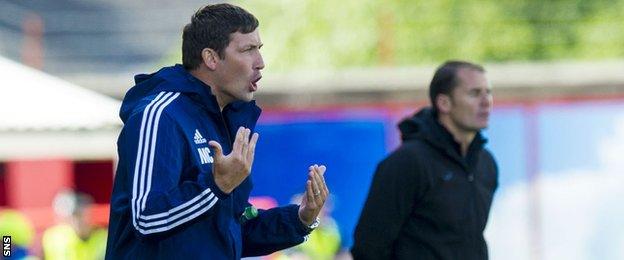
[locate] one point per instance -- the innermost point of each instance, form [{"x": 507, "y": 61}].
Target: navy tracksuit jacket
[{"x": 165, "y": 203}]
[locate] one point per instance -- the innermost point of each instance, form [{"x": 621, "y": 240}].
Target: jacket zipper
[{"x": 227, "y": 130}]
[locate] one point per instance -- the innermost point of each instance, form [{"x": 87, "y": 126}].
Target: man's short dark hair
[
  {"x": 445, "y": 79},
  {"x": 210, "y": 27}
]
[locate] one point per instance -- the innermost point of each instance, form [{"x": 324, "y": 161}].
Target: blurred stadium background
[{"x": 339, "y": 76}]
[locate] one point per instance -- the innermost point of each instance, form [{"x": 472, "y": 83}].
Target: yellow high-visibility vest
[{"x": 62, "y": 242}]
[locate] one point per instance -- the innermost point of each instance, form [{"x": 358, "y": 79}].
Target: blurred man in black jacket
[{"x": 431, "y": 197}]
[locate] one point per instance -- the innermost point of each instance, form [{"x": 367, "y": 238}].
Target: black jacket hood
[{"x": 424, "y": 125}]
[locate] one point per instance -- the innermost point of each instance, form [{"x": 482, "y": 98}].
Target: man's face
[
  {"x": 471, "y": 101},
  {"x": 239, "y": 72}
]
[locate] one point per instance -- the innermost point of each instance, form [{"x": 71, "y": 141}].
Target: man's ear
[
  {"x": 444, "y": 103},
  {"x": 210, "y": 58}
]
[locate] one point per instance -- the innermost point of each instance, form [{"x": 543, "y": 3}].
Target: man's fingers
[
  {"x": 319, "y": 178},
  {"x": 317, "y": 192},
  {"x": 245, "y": 144},
  {"x": 218, "y": 151},
  {"x": 320, "y": 185},
  {"x": 310, "y": 193},
  {"x": 322, "y": 169},
  {"x": 252, "y": 148},
  {"x": 238, "y": 140}
]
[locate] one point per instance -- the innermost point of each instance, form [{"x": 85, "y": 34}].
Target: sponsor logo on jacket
[
  {"x": 204, "y": 152},
  {"x": 198, "y": 138}
]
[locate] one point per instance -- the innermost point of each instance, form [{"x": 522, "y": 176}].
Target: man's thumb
[{"x": 218, "y": 151}]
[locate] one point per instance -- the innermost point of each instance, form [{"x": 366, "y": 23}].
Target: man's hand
[
  {"x": 315, "y": 195},
  {"x": 230, "y": 170}
]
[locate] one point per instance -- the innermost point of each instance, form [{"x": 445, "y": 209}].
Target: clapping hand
[
  {"x": 315, "y": 195},
  {"x": 230, "y": 170}
]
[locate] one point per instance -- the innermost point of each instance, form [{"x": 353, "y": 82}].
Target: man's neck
[
  {"x": 206, "y": 79},
  {"x": 462, "y": 137}
]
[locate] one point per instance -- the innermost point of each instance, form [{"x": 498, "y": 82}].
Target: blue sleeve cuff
[
  {"x": 300, "y": 228},
  {"x": 215, "y": 189}
]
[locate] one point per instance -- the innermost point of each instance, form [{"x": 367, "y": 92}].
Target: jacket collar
[{"x": 425, "y": 126}]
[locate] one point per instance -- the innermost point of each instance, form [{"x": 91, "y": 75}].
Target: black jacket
[{"x": 426, "y": 201}]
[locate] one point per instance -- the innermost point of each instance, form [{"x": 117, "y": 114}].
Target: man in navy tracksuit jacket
[{"x": 186, "y": 150}]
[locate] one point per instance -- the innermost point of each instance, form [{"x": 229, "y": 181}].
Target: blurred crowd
[{"x": 73, "y": 236}]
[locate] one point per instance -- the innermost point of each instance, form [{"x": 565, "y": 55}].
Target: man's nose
[
  {"x": 259, "y": 62},
  {"x": 487, "y": 100}
]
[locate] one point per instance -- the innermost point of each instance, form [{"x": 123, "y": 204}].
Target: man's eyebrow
[{"x": 254, "y": 45}]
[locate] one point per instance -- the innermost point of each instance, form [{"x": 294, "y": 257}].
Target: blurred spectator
[
  {"x": 323, "y": 243},
  {"x": 21, "y": 230},
  {"x": 74, "y": 237}
]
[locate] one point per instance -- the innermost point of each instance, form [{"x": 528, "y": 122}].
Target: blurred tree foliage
[{"x": 326, "y": 34}]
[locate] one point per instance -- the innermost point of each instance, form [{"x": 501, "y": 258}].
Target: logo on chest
[
  {"x": 198, "y": 138},
  {"x": 204, "y": 152}
]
